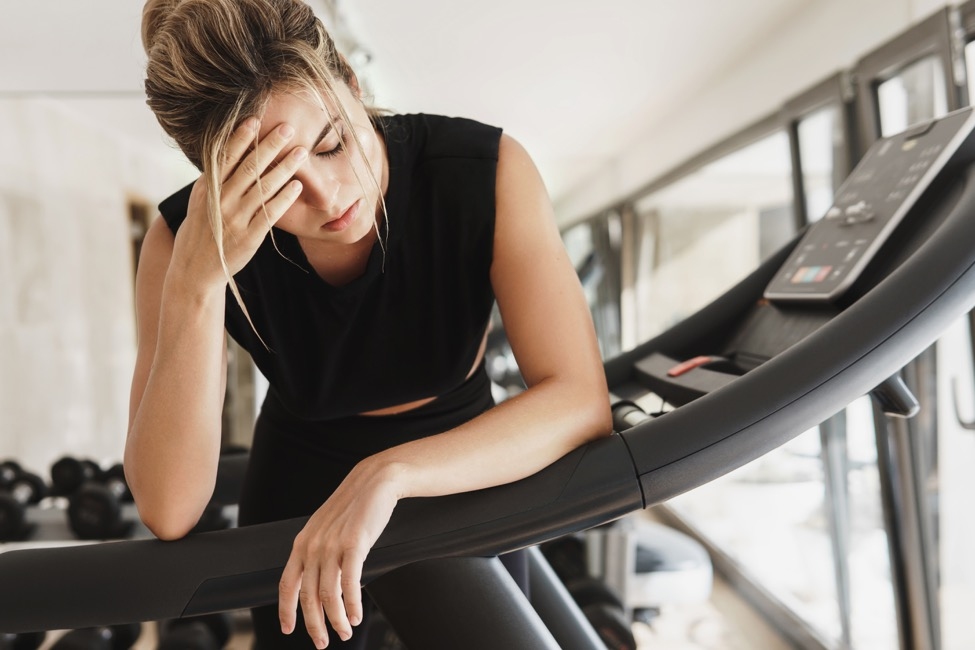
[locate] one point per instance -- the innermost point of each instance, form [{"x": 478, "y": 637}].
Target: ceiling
[{"x": 574, "y": 81}]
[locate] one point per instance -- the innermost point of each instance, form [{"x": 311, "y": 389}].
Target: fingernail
[
  {"x": 345, "y": 636},
  {"x": 355, "y": 621},
  {"x": 287, "y": 131},
  {"x": 321, "y": 643},
  {"x": 300, "y": 154},
  {"x": 251, "y": 123}
]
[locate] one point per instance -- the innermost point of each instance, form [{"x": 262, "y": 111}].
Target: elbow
[
  {"x": 168, "y": 508},
  {"x": 168, "y": 525},
  {"x": 168, "y": 516},
  {"x": 592, "y": 411},
  {"x": 602, "y": 418}
]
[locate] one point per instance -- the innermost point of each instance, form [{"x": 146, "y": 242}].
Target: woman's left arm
[{"x": 549, "y": 327}]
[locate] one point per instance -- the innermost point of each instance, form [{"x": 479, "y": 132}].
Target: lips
[{"x": 345, "y": 219}]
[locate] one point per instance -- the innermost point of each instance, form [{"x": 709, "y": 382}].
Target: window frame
[
  {"x": 934, "y": 35},
  {"x": 837, "y": 90}
]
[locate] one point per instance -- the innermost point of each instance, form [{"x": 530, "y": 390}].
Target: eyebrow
[{"x": 321, "y": 136}]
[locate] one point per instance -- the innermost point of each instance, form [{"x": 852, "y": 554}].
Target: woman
[{"x": 356, "y": 256}]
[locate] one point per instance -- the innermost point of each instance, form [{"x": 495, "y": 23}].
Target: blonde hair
[{"x": 214, "y": 63}]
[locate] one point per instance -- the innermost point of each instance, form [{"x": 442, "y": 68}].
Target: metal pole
[
  {"x": 557, "y": 609},
  {"x": 832, "y": 435}
]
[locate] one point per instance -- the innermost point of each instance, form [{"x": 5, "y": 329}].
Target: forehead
[{"x": 301, "y": 108}]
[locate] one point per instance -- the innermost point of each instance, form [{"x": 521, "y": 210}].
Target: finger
[
  {"x": 330, "y": 594},
  {"x": 272, "y": 181},
  {"x": 254, "y": 164},
  {"x": 269, "y": 214},
  {"x": 288, "y": 593},
  {"x": 237, "y": 146},
  {"x": 351, "y": 587},
  {"x": 311, "y": 606}
]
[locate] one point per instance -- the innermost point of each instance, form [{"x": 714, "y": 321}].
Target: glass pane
[
  {"x": 769, "y": 516},
  {"x": 696, "y": 238},
  {"x": 873, "y": 614},
  {"x": 916, "y": 94},
  {"x": 772, "y": 517},
  {"x": 955, "y": 483},
  {"x": 820, "y": 137}
]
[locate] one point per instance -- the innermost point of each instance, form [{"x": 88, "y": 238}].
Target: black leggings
[{"x": 295, "y": 465}]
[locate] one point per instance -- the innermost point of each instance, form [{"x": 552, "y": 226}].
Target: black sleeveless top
[{"x": 410, "y": 327}]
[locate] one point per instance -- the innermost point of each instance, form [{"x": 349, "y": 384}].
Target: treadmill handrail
[{"x": 106, "y": 583}]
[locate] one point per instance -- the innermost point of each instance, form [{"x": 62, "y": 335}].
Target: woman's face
[{"x": 333, "y": 207}]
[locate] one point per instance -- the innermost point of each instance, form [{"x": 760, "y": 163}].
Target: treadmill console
[{"x": 869, "y": 205}]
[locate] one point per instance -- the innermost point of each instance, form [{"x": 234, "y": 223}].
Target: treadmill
[{"x": 833, "y": 315}]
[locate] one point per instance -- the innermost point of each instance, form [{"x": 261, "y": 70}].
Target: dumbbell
[
  {"x": 208, "y": 632},
  {"x": 95, "y": 508},
  {"x": 29, "y": 641},
  {"x": 9, "y": 470},
  {"x": 18, "y": 490},
  {"x": 68, "y": 474},
  {"x": 116, "y": 637}
]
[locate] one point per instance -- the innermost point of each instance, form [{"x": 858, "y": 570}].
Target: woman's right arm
[
  {"x": 177, "y": 391},
  {"x": 173, "y": 443}
]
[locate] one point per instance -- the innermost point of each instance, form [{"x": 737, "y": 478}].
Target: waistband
[{"x": 364, "y": 435}]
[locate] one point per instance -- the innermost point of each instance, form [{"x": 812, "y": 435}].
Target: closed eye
[{"x": 336, "y": 150}]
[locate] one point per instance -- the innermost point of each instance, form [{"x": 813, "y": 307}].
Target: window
[
  {"x": 820, "y": 135},
  {"x": 696, "y": 237},
  {"x": 916, "y": 94}
]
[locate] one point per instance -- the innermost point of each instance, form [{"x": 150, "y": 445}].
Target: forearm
[
  {"x": 509, "y": 442},
  {"x": 173, "y": 446}
]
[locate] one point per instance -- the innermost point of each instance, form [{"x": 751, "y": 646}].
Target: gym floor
[{"x": 724, "y": 622}]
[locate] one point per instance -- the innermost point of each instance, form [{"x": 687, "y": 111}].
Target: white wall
[
  {"x": 66, "y": 305},
  {"x": 823, "y": 38}
]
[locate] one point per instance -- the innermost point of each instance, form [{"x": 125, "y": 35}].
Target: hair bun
[{"x": 154, "y": 15}]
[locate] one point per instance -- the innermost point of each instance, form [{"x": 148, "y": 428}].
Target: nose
[{"x": 319, "y": 190}]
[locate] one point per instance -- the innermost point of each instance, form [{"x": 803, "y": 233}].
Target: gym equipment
[
  {"x": 69, "y": 473},
  {"x": 30, "y": 641},
  {"x": 649, "y": 565},
  {"x": 209, "y": 632},
  {"x": 598, "y": 602},
  {"x": 9, "y": 470},
  {"x": 20, "y": 490},
  {"x": 115, "y": 637},
  {"x": 799, "y": 358},
  {"x": 95, "y": 507}
]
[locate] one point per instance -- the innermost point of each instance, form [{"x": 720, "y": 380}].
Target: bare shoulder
[
  {"x": 524, "y": 214},
  {"x": 513, "y": 161}
]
